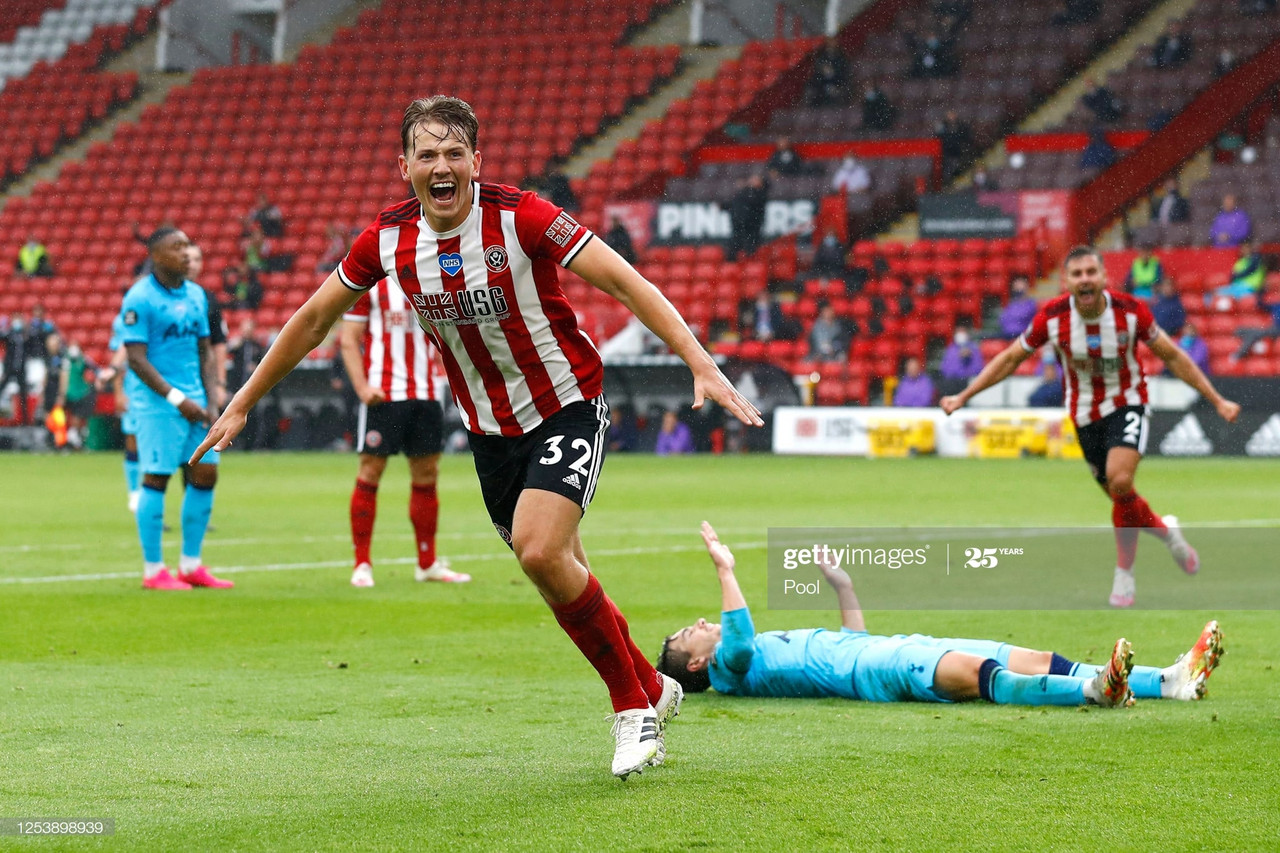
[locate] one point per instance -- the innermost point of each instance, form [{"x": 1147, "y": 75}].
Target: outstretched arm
[
  {"x": 607, "y": 271},
  {"x": 850, "y": 610},
  {"x": 1000, "y": 368},
  {"x": 1181, "y": 366},
  {"x": 305, "y": 331},
  {"x": 722, "y": 557}
]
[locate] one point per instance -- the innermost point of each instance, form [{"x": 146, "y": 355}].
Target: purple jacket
[
  {"x": 956, "y": 365},
  {"x": 1230, "y": 229},
  {"x": 914, "y": 392},
  {"x": 1016, "y": 316},
  {"x": 679, "y": 440},
  {"x": 1198, "y": 350}
]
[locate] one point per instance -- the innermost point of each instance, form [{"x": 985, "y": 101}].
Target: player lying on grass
[{"x": 853, "y": 664}]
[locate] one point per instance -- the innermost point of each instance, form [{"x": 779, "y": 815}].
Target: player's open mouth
[{"x": 444, "y": 191}]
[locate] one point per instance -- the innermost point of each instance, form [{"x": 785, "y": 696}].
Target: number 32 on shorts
[{"x": 554, "y": 454}]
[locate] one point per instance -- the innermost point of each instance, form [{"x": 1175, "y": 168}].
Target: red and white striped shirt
[
  {"x": 398, "y": 358},
  {"x": 491, "y": 296},
  {"x": 1099, "y": 355}
]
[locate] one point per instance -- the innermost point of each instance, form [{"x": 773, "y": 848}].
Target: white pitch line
[
  {"x": 292, "y": 567},
  {"x": 215, "y": 542}
]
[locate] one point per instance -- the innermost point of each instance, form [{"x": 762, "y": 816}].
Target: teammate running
[
  {"x": 478, "y": 263},
  {"x": 1096, "y": 333},
  {"x": 393, "y": 372}
]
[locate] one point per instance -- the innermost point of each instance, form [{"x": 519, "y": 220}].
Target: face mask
[
  {"x": 962, "y": 339},
  {"x": 74, "y": 352}
]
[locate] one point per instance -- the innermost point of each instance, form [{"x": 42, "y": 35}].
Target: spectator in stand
[
  {"x": 956, "y": 138},
  {"x": 1232, "y": 226},
  {"x": 243, "y": 354},
  {"x": 1195, "y": 347},
  {"x": 1049, "y": 393},
  {"x": 932, "y": 56},
  {"x": 241, "y": 287},
  {"x": 1099, "y": 153},
  {"x": 983, "y": 181},
  {"x": 915, "y": 388},
  {"x": 1248, "y": 274},
  {"x": 1076, "y": 12},
  {"x": 1102, "y": 102},
  {"x": 784, "y": 162},
  {"x": 1173, "y": 48},
  {"x": 1172, "y": 206},
  {"x": 337, "y": 241},
  {"x": 878, "y": 112},
  {"x": 961, "y": 361},
  {"x": 267, "y": 217},
  {"x": 829, "y": 338},
  {"x": 764, "y": 318},
  {"x": 828, "y": 260},
  {"x": 852, "y": 176},
  {"x": 1018, "y": 311},
  {"x": 33, "y": 259},
  {"x": 623, "y": 435},
  {"x": 829, "y": 83},
  {"x": 674, "y": 437},
  {"x": 746, "y": 213},
  {"x": 257, "y": 248},
  {"x": 559, "y": 190},
  {"x": 1167, "y": 308},
  {"x": 1145, "y": 273},
  {"x": 620, "y": 239}
]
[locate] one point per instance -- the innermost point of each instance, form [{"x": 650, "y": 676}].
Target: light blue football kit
[
  {"x": 815, "y": 662},
  {"x": 171, "y": 324}
]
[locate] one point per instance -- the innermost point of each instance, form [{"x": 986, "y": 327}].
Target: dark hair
[
  {"x": 1081, "y": 252},
  {"x": 158, "y": 236},
  {"x": 675, "y": 663},
  {"x": 454, "y": 113}
]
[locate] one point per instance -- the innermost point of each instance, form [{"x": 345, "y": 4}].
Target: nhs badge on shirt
[
  {"x": 451, "y": 263},
  {"x": 1093, "y": 341}
]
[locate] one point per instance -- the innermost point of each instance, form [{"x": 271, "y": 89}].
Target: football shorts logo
[
  {"x": 451, "y": 263},
  {"x": 131, "y": 318},
  {"x": 503, "y": 532},
  {"x": 373, "y": 438},
  {"x": 495, "y": 258}
]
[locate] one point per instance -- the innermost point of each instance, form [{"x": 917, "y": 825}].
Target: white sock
[
  {"x": 150, "y": 570},
  {"x": 1091, "y": 691},
  {"x": 188, "y": 564}
]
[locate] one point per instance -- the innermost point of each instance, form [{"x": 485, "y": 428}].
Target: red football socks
[
  {"x": 424, "y": 513},
  {"x": 364, "y": 508},
  {"x": 1129, "y": 514},
  {"x": 590, "y": 623},
  {"x": 648, "y": 676}
]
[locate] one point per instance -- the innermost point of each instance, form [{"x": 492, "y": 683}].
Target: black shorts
[
  {"x": 563, "y": 454},
  {"x": 411, "y": 427},
  {"x": 1125, "y": 427}
]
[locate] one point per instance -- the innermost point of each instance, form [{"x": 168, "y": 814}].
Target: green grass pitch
[{"x": 297, "y": 713}]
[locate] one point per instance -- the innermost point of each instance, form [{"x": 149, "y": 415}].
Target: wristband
[{"x": 175, "y": 397}]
